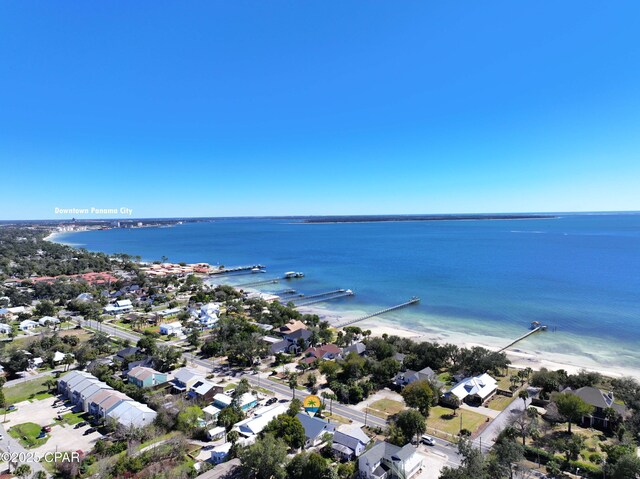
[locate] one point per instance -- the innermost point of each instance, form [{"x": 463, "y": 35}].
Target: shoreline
[{"x": 520, "y": 356}]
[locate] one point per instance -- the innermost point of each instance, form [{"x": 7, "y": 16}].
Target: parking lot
[{"x": 63, "y": 437}]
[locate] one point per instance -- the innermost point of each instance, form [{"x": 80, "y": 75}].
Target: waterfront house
[
  {"x": 387, "y": 461},
  {"x": 144, "y": 377},
  {"x": 291, "y": 327},
  {"x": 254, "y": 425},
  {"x": 315, "y": 429},
  {"x": 27, "y": 325},
  {"x": 606, "y": 412},
  {"x": 349, "y": 442},
  {"x": 358, "y": 348},
  {"x": 473, "y": 390}
]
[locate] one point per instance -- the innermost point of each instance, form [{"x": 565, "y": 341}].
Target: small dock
[
  {"x": 413, "y": 300},
  {"x": 239, "y": 269},
  {"x": 340, "y": 293},
  {"x": 535, "y": 327}
]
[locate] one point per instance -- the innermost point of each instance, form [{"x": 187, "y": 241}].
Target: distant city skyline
[{"x": 338, "y": 108}]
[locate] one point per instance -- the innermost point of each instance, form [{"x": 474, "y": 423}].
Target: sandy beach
[{"x": 519, "y": 355}]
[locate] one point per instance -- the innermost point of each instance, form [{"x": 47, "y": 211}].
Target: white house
[
  {"x": 48, "y": 320},
  {"x": 27, "y": 324},
  {"x": 5, "y": 328},
  {"x": 474, "y": 390},
  {"x": 216, "y": 433},
  {"x": 171, "y": 328},
  {"x": 220, "y": 453},
  {"x": 120, "y": 306},
  {"x": 254, "y": 425},
  {"x": 349, "y": 442},
  {"x": 384, "y": 460}
]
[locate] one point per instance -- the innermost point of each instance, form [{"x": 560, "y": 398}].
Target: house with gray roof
[
  {"x": 146, "y": 377},
  {"x": 314, "y": 428},
  {"x": 358, "y": 348},
  {"x": 604, "y": 407},
  {"x": 409, "y": 376},
  {"x": 387, "y": 461},
  {"x": 349, "y": 442}
]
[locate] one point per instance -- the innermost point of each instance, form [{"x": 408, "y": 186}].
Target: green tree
[
  {"x": 188, "y": 419},
  {"x": 287, "y": 428},
  {"x": 571, "y": 407},
  {"x": 307, "y": 465},
  {"x": 292, "y": 381},
  {"x": 419, "y": 395},
  {"x": 194, "y": 338},
  {"x": 229, "y": 416},
  {"x": 411, "y": 422},
  {"x": 264, "y": 459}
]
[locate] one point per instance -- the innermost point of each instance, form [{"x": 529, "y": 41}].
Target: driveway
[{"x": 487, "y": 438}]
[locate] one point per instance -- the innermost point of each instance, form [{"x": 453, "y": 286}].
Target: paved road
[{"x": 10, "y": 445}]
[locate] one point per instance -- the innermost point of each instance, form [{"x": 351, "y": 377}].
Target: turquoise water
[{"x": 578, "y": 274}]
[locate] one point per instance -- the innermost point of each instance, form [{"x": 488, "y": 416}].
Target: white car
[{"x": 427, "y": 440}]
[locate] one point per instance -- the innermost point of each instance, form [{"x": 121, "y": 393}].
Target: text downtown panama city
[{"x": 94, "y": 211}]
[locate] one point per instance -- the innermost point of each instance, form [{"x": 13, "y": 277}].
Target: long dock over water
[
  {"x": 319, "y": 298},
  {"x": 413, "y": 300},
  {"x": 524, "y": 336},
  {"x": 257, "y": 283}
]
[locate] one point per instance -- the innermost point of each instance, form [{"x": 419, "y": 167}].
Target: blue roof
[{"x": 314, "y": 426}]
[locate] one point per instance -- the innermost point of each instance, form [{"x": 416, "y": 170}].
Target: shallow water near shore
[{"x": 477, "y": 280}]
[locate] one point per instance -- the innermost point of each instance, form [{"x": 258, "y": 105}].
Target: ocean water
[{"x": 578, "y": 274}]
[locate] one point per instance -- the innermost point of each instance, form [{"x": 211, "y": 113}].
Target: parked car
[
  {"x": 46, "y": 428},
  {"x": 81, "y": 424},
  {"x": 11, "y": 408},
  {"x": 230, "y": 391},
  {"x": 90, "y": 430},
  {"x": 271, "y": 401},
  {"x": 427, "y": 440},
  {"x": 42, "y": 435}
]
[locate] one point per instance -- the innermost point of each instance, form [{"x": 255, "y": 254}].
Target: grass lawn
[
  {"x": 385, "y": 407},
  {"x": 27, "y": 434},
  {"x": 73, "y": 418},
  {"x": 334, "y": 417},
  {"x": 230, "y": 386},
  {"x": 594, "y": 440},
  {"x": 29, "y": 389},
  {"x": 446, "y": 378},
  {"x": 500, "y": 402},
  {"x": 443, "y": 421},
  {"x": 504, "y": 382}
]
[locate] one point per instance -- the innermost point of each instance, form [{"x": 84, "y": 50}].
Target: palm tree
[
  {"x": 67, "y": 361},
  {"x": 293, "y": 383},
  {"x": 233, "y": 436},
  {"x": 524, "y": 395},
  {"x": 330, "y": 397},
  {"x": 50, "y": 383}
]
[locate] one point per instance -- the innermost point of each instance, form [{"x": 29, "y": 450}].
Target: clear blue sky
[{"x": 281, "y": 107}]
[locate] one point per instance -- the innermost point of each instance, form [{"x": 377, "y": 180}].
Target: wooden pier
[
  {"x": 257, "y": 283},
  {"x": 327, "y": 293},
  {"x": 325, "y": 297},
  {"x": 238, "y": 269},
  {"x": 524, "y": 336},
  {"x": 413, "y": 300}
]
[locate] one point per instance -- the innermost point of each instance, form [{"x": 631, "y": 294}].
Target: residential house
[
  {"x": 245, "y": 402},
  {"x": 387, "y": 461},
  {"x": 171, "y": 328},
  {"x": 126, "y": 353},
  {"x": 216, "y": 433},
  {"x": 254, "y": 425},
  {"x": 219, "y": 453},
  {"x": 204, "y": 390},
  {"x": 473, "y": 390},
  {"x": 358, "y": 348},
  {"x": 211, "y": 413},
  {"x": 291, "y": 327},
  {"x": 5, "y": 328},
  {"x": 409, "y": 376},
  {"x": 315, "y": 429},
  {"x": 27, "y": 325},
  {"x": 132, "y": 413},
  {"x": 185, "y": 378},
  {"x": 119, "y": 307},
  {"x": 326, "y": 351},
  {"x": 605, "y": 409},
  {"x": 84, "y": 297},
  {"x": 146, "y": 377},
  {"x": 48, "y": 320},
  {"x": 349, "y": 442}
]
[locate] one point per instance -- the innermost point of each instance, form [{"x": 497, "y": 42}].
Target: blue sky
[{"x": 275, "y": 108}]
